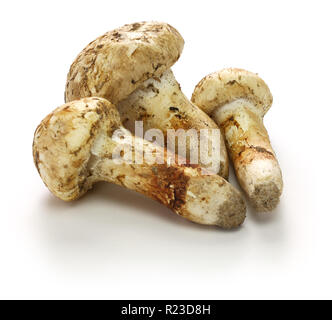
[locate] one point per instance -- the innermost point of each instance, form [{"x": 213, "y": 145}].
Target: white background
[{"x": 116, "y": 244}]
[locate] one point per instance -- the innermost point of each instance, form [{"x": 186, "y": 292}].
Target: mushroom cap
[
  {"x": 227, "y": 85},
  {"x": 117, "y": 63},
  {"x": 63, "y": 141}
]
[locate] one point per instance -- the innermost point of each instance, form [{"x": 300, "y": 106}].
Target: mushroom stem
[
  {"x": 204, "y": 199},
  {"x": 249, "y": 146},
  {"x": 160, "y": 104}
]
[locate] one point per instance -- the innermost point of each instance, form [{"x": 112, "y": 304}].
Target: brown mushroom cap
[
  {"x": 228, "y": 85},
  {"x": 117, "y": 63},
  {"x": 63, "y": 141}
]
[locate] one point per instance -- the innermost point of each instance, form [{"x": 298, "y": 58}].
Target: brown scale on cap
[
  {"x": 74, "y": 147},
  {"x": 117, "y": 63},
  {"x": 238, "y": 100},
  {"x": 130, "y": 67}
]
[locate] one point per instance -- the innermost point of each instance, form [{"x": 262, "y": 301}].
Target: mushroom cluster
[{"x": 125, "y": 76}]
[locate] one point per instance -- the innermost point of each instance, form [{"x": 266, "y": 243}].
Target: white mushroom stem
[
  {"x": 204, "y": 199},
  {"x": 160, "y": 104},
  {"x": 249, "y": 145}
]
